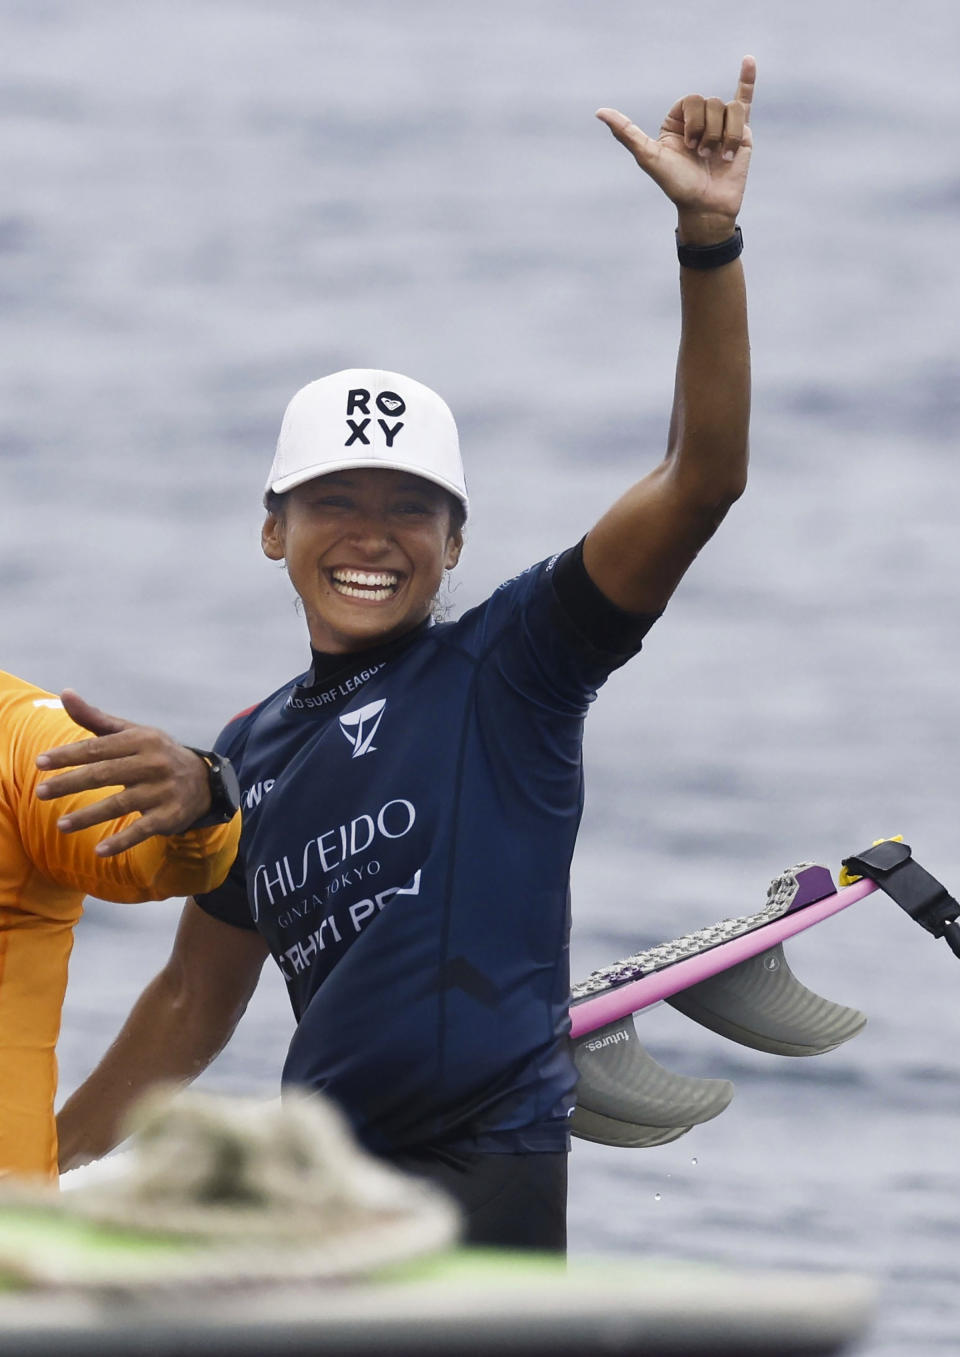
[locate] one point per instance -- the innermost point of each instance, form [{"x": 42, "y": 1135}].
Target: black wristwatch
[{"x": 224, "y": 790}]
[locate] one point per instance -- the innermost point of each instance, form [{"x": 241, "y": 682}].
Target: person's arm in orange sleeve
[
  {"x": 127, "y": 840},
  {"x": 44, "y": 875}
]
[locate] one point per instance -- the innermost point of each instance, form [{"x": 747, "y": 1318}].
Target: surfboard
[
  {"x": 798, "y": 899},
  {"x": 459, "y": 1303},
  {"x": 732, "y": 978},
  {"x": 465, "y": 1303}
]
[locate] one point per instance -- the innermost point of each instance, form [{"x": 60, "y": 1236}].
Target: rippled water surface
[{"x": 209, "y": 202}]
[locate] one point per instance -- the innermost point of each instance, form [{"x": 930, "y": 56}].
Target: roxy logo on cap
[{"x": 387, "y": 402}]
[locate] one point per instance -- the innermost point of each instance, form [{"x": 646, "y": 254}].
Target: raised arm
[
  {"x": 640, "y": 549},
  {"x": 184, "y": 1018}
]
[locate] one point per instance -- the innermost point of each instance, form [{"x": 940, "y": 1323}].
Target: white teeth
[
  {"x": 350, "y": 592},
  {"x": 373, "y": 584},
  {"x": 372, "y": 579}
]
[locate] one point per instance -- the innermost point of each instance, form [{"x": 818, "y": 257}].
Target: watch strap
[
  {"x": 711, "y": 256},
  {"x": 224, "y": 789}
]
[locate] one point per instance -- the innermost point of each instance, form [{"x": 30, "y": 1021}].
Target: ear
[
  {"x": 273, "y": 538},
  {"x": 454, "y": 548}
]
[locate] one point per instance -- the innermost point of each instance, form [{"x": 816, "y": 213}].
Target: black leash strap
[{"x": 891, "y": 866}]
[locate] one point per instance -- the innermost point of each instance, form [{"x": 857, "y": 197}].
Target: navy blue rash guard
[{"x": 408, "y": 827}]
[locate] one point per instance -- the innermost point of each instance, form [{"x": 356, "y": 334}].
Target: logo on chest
[{"x": 359, "y": 727}]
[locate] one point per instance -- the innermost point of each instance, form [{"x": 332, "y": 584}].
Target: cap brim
[{"x": 312, "y": 473}]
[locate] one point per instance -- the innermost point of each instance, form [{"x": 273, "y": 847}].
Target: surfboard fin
[
  {"x": 625, "y": 1098},
  {"x": 760, "y": 1003}
]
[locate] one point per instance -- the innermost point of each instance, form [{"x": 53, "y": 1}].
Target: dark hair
[
  {"x": 276, "y": 504},
  {"x": 458, "y": 514}
]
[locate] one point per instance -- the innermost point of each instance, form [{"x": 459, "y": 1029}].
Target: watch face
[
  {"x": 224, "y": 789},
  {"x": 224, "y": 786},
  {"x": 228, "y": 790}
]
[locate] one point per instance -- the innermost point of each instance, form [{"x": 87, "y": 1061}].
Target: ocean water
[{"x": 209, "y": 202}]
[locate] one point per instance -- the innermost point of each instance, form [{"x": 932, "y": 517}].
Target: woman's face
[{"x": 366, "y": 550}]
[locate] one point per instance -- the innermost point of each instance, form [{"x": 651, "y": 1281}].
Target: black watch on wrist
[{"x": 224, "y": 790}]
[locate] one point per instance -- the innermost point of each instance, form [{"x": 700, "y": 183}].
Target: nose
[{"x": 369, "y": 531}]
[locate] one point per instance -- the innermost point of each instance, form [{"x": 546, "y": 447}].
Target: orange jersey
[{"x": 44, "y": 876}]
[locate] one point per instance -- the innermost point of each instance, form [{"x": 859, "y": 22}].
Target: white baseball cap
[{"x": 363, "y": 417}]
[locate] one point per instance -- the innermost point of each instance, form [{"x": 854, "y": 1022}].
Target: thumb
[
  {"x": 643, "y": 148},
  {"x": 91, "y": 718}
]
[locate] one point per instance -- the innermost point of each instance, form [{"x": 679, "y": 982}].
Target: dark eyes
[{"x": 404, "y": 508}]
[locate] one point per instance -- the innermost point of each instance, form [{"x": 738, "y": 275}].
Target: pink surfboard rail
[{"x": 600, "y": 1009}]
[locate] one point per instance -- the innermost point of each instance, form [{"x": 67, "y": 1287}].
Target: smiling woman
[
  {"x": 366, "y": 531},
  {"x": 365, "y": 551},
  {"x": 413, "y": 798}
]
